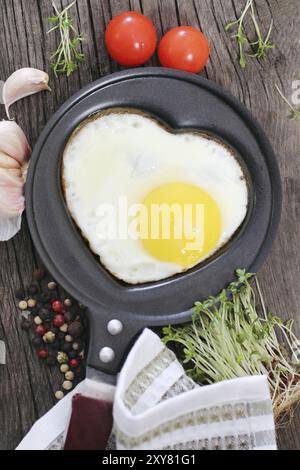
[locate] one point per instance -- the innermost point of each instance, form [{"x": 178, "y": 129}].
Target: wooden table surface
[{"x": 26, "y": 387}]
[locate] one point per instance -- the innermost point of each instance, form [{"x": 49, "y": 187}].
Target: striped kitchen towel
[{"x": 157, "y": 406}]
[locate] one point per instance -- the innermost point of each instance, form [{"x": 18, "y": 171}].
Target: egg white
[{"x": 129, "y": 154}]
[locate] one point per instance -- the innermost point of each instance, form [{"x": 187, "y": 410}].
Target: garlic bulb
[
  {"x": 24, "y": 82},
  {"x": 13, "y": 142},
  {"x": 14, "y": 155}
]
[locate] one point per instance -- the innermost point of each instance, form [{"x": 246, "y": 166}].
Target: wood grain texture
[{"x": 26, "y": 387}]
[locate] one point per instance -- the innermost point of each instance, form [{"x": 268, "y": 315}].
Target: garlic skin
[
  {"x": 13, "y": 142},
  {"x": 9, "y": 226},
  {"x": 23, "y": 82}
]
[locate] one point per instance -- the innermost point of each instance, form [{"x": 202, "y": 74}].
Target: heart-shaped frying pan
[{"x": 118, "y": 312}]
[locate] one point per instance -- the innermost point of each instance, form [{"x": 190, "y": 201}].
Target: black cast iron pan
[{"x": 180, "y": 101}]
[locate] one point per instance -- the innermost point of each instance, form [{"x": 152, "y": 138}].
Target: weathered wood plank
[{"x": 26, "y": 388}]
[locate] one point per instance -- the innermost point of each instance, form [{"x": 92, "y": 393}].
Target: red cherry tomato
[
  {"x": 130, "y": 38},
  {"x": 184, "y": 48}
]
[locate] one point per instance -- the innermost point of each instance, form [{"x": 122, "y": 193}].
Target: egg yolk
[{"x": 184, "y": 224}]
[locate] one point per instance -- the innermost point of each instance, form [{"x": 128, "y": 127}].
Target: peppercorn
[
  {"x": 74, "y": 363},
  {"x": 78, "y": 372},
  {"x": 35, "y": 311},
  {"x": 62, "y": 357},
  {"x": 31, "y": 303},
  {"x": 25, "y": 324},
  {"x": 69, "y": 316},
  {"x": 48, "y": 325},
  {"x": 67, "y": 385},
  {"x": 61, "y": 336},
  {"x": 68, "y": 338},
  {"x": 23, "y": 305},
  {"x": 75, "y": 329},
  {"x": 58, "y": 320},
  {"x": 55, "y": 345},
  {"x": 57, "y": 306},
  {"x": 51, "y": 361},
  {"x": 66, "y": 347},
  {"x": 32, "y": 289},
  {"x": 38, "y": 274},
  {"x": 69, "y": 375},
  {"x": 43, "y": 298},
  {"x": 68, "y": 303},
  {"x": 49, "y": 337},
  {"x": 72, "y": 354},
  {"x": 64, "y": 328},
  {"x": 40, "y": 330},
  {"x": 20, "y": 293},
  {"x": 45, "y": 314},
  {"x": 59, "y": 395},
  {"x": 38, "y": 320},
  {"x": 37, "y": 341},
  {"x": 64, "y": 368},
  {"x": 43, "y": 353},
  {"x": 52, "y": 285}
]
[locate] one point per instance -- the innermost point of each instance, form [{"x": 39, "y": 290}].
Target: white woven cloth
[{"x": 157, "y": 406}]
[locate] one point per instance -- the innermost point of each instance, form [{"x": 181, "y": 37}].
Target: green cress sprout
[
  {"x": 68, "y": 55},
  {"x": 260, "y": 44},
  {"x": 228, "y": 338}
]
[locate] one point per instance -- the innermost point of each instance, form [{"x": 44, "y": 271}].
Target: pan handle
[{"x": 111, "y": 337}]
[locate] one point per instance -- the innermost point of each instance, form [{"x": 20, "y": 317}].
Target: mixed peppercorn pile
[{"x": 56, "y": 326}]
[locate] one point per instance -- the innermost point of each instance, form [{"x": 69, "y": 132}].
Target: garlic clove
[
  {"x": 13, "y": 142},
  {"x": 17, "y": 172},
  {"x": 23, "y": 82},
  {"x": 10, "y": 179},
  {"x": 7, "y": 211},
  {"x": 11, "y": 202},
  {"x": 8, "y": 162}
]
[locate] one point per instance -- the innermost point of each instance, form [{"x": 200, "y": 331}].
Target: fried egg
[{"x": 151, "y": 203}]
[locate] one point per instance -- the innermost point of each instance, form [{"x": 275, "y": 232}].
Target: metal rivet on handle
[
  {"x": 106, "y": 355},
  {"x": 114, "y": 327}
]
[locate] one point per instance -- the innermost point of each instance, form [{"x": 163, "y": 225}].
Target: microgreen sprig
[
  {"x": 260, "y": 45},
  {"x": 295, "y": 113},
  {"x": 227, "y": 338},
  {"x": 68, "y": 54},
  {"x": 240, "y": 34}
]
